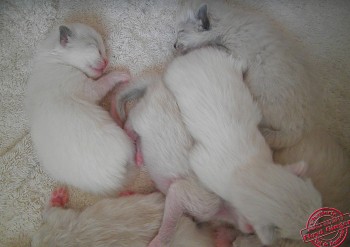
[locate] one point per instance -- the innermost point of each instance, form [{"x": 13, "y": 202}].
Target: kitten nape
[{"x": 65, "y": 32}]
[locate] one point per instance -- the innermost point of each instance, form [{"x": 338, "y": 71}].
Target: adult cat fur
[{"x": 118, "y": 222}]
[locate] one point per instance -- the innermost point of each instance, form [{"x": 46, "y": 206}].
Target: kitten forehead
[{"x": 186, "y": 15}]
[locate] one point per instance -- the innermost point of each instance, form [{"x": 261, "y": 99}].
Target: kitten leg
[
  {"x": 278, "y": 139},
  {"x": 137, "y": 141},
  {"x": 55, "y": 212},
  {"x": 185, "y": 196},
  {"x": 114, "y": 114},
  {"x": 103, "y": 85}
]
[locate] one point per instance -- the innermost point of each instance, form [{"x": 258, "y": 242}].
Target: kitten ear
[
  {"x": 202, "y": 15},
  {"x": 65, "y": 32},
  {"x": 299, "y": 169}
]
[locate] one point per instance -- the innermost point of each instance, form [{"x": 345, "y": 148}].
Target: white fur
[
  {"x": 230, "y": 155},
  {"x": 164, "y": 140},
  {"x": 165, "y": 144},
  {"x": 329, "y": 166},
  {"x": 77, "y": 142},
  {"x": 123, "y": 222},
  {"x": 278, "y": 76}
]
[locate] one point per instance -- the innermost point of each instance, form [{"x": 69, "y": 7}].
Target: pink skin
[
  {"x": 59, "y": 197},
  {"x": 224, "y": 237},
  {"x": 100, "y": 68},
  {"x": 136, "y": 139}
]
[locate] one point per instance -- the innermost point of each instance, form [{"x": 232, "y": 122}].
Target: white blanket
[{"x": 139, "y": 36}]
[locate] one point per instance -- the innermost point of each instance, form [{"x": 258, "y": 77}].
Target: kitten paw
[{"x": 59, "y": 197}]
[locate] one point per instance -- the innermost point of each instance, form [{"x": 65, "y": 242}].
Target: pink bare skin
[
  {"x": 59, "y": 197},
  {"x": 136, "y": 139},
  {"x": 224, "y": 237}
]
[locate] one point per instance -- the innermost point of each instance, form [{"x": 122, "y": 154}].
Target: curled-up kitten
[
  {"x": 277, "y": 75},
  {"x": 163, "y": 142},
  {"x": 129, "y": 221},
  {"x": 76, "y": 140},
  {"x": 230, "y": 156}
]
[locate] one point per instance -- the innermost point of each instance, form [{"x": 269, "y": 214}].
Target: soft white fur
[
  {"x": 328, "y": 166},
  {"x": 230, "y": 156},
  {"x": 164, "y": 139},
  {"x": 130, "y": 221},
  {"x": 165, "y": 144},
  {"x": 277, "y": 73},
  {"x": 76, "y": 140}
]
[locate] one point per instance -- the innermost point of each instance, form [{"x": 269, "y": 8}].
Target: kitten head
[
  {"x": 196, "y": 28},
  {"x": 79, "y": 46},
  {"x": 304, "y": 199}
]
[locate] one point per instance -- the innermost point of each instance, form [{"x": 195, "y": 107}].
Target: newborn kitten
[
  {"x": 156, "y": 125},
  {"x": 76, "y": 140},
  {"x": 230, "y": 156},
  {"x": 129, "y": 221},
  {"x": 277, "y": 75}
]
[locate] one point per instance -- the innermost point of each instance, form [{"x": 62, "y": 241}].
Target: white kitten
[
  {"x": 129, "y": 221},
  {"x": 164, "y": 143},
  {"x": 76, "y": 140},
  {"x": 230, "y": 156},
  {"x": 277, "y": 75}
]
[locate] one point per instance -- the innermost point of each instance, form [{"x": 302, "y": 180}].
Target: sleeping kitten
[
  {"x": 277, "y": 75},
  {"x": 230, "y": 156},
  {"x": 163, "y": 142},
  {"x": 129, "y": 221},
  {"x": 76, "y": 140}
]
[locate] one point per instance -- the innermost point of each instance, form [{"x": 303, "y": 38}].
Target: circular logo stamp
[{"x": 326, "y": 227}]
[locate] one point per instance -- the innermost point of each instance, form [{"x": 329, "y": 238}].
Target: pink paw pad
[{"x": 59, "y": 197}]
